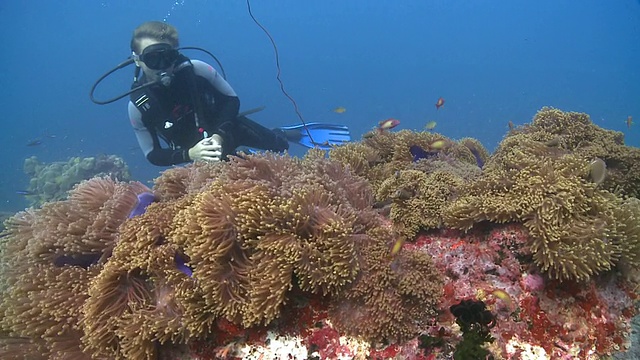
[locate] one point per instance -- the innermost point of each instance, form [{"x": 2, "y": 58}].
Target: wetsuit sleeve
[
  {"x": 150, "y": 143},
  {"x": 226, "y": 104},
  {"x": 207, "y": 71}
]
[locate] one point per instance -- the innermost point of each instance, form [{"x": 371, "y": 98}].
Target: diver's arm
[
  {"x": 150, "y": 144},
  {"x": 227, "y": 103},
  {"x": 207, "y": 71}
]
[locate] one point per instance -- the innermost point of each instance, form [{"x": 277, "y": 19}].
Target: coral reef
[
  {"x": 417, "y": 199},
  {"x": 225, "y": 245},
  {"x": 578, "y": 228},
  {"x": 380, "y": 155},
  {"x": 393, "y": 298},
  {"x": 4, "y": 215},
  {"x": 475, "y": 322},
  {"x": 405, "y": 245},
  {"x": 539, "y": 316},
  {"x": 49, "y": 257},
  {"x": 532, "y": 315},
  {"x": 51, "y": 182},
  {"x": 413, "y": 190},
  {"x": 574, "y": 132}
]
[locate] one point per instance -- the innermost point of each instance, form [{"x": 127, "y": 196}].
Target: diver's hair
[{"x": 156, "y": 30}]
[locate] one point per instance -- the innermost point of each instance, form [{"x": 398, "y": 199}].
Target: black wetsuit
[{"x": 168, "y": 114}]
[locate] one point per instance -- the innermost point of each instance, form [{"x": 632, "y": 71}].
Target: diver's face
[{"x": 151, "y": 74}]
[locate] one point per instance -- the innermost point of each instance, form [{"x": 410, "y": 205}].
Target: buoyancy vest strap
[
  {"x": 142, "y": 103},
  {"x": 196, "y": 99},
  {"x": 148, "y": 104}
]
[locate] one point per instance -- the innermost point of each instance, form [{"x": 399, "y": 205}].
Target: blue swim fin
[{"x": 323, "y": 136}]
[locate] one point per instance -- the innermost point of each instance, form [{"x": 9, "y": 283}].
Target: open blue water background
[{"x": 493, "y": 62}]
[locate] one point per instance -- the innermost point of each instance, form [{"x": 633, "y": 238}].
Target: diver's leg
[{"x": 247, "y": 132}]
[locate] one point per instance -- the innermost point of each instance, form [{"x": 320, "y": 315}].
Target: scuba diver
[{"x": 190, "y": 107}]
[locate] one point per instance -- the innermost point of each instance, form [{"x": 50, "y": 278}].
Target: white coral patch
[
  {"x": 526, "y": 351},
  {"x": 280, "y": 347},
  {"x": 353, "y": 348}
]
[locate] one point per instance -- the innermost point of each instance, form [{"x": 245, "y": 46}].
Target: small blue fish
[
  {"x": 478, "y": 157},
  {"x": 144, "y": 199},
  {"x": 181, "y": 266},
  {"x": 419, "y": 153},
  {"x": 25, "y": 192},
  {"x": 80, "y": 260},
  {"x": 34, "y": 142}
]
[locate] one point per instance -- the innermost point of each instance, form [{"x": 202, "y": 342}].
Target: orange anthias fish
[
  {"x": 629, "y": 121},
  {"x": 388, "y": 124},
  {"x": 439, "y": 103}
]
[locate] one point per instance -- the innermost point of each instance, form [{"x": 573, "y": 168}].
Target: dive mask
[{"x": 159, "y": 56}]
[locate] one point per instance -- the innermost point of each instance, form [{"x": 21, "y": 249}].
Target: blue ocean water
[{"x": 493, "y": 61}]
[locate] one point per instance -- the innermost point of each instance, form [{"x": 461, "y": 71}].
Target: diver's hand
[{"x": 208, "y": 149}]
